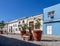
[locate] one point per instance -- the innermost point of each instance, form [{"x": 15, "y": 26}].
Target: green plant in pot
[
  {"x": 24, "y": 28},
  {"x": 37, "y": 24},
  {"x": 37, "y": 33}
]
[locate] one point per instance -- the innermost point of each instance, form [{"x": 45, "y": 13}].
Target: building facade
[
  {"x": 32, "y": 21},
  {"x": 5, "y": 27},
  {"x": 14, "y": 28},
  {"x": 52, "y": 20}
]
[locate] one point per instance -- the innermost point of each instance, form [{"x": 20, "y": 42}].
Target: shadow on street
[{"x": 5, "y": 41}]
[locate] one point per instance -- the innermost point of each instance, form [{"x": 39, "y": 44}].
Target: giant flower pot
[
  {"x": 37, "y": 34},
  {"x": 22, "y": 32},
  {"x": 30, "y": 37}
]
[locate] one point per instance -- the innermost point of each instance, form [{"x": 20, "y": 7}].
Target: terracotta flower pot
[
  {"x": 37, "y": 34},
  {"x": 23, "y": 32},
  {"x": 30, "y": 37}
]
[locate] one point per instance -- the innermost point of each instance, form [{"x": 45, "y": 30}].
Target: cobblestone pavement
[{"x": 16, "y": 40}]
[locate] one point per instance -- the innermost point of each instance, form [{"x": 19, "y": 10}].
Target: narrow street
[
  {"x": 16, "y": 40},
  {"x": 5, "y": 41}
]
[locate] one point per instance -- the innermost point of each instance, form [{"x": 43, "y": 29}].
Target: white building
[
  {"x": 13, "y": 25},
  {"x": 32, "y": 21}
]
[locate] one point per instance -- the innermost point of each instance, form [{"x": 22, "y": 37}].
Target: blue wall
[
  {"x": 55, "y": 28},
  {"x": 55, "y": 25},
  {"x": 55, "y": 8}
]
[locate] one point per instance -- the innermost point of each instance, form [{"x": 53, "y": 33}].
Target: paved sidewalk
[{"x": 41, "y": 43}]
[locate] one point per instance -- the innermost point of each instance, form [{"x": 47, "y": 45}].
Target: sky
[{"x": 16, "y": 9}]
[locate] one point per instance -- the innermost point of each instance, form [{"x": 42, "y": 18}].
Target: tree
[
  {"x": 2, "y": 24},
  {"x": 24, "y": 26}
]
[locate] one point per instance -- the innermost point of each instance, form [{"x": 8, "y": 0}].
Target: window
[
  {"x": 23, "y": 21},
  {"x": 16, "y": 29},
  {"x": 19, "y": 22},
  {"x": 51, "y": 14},
  {"x": 49, "y": 29},
  {"x": 14, "y": 25},
  {"x": 10, "y": 28},
  {"x": 19, "y": 29}
]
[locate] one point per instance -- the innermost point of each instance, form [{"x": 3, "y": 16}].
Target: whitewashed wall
[
  {"x": 26, "y": 20},
  {"x": 36, "y": 17},
  {"x": 14, "y": 27}
]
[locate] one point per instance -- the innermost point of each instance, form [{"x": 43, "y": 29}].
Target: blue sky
[{"x": 15, "y": 9}]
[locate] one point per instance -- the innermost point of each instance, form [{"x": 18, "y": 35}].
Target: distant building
[
  {"x": 5, "y": 29},
  {"x": 52, "y": 20},
  {"x": 14, "y": 28}
]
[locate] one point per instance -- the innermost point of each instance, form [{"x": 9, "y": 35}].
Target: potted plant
[
  {"x": 24, "y": 27},
  {"x": 37, "y": 33}
]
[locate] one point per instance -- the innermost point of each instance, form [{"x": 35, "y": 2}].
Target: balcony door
[{"x": 49, "y": 29}]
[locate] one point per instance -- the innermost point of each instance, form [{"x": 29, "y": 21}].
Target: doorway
[
  {"x": 31, "y": 25},
  {"x": 49, "y": 29}
]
